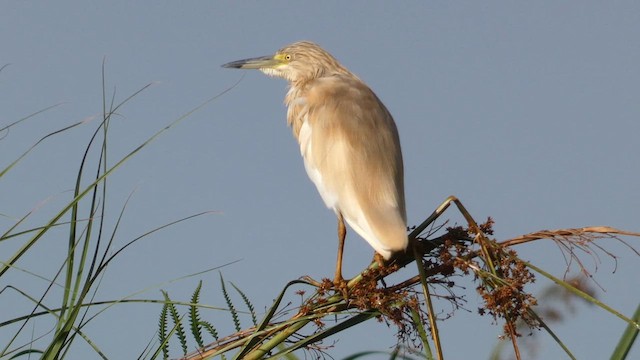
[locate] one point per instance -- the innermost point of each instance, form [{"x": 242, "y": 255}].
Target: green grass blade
[
  {"x": 628, "y": 338},
  {"x": 24, "y": 154},
  {"x": 417, "y": 321},
  {"x": 367, "y": 355},
  {"x": 22, "y": 353},
  {"x": 253, "y": 341},
  {"x": 5, "y": 266},
  {"x": 582, "y": 294},
  {"x": 552, "y": 334},
  {"x": 319, "y": 336}
]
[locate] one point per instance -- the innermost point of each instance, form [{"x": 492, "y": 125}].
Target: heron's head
[{"x": 299, "y": 62}]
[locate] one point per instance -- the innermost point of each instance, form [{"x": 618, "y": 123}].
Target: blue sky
[{"x": 529, "y": 113}]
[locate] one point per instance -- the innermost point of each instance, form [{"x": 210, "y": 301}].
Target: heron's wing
[{"x": 352, "y": 153}]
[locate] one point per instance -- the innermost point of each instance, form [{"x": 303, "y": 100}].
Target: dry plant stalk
[{"x": 501, "y": 275}]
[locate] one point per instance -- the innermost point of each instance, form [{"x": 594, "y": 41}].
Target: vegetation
[{"x": 442, "y": 256}]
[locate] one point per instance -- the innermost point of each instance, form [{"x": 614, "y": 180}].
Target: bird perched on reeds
[{"x": 349, "y": 143}]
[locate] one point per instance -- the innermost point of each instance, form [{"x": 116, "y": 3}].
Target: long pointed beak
[{"x": 254, "y": 63}]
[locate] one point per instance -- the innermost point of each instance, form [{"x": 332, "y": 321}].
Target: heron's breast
[{"x": 305, "y": 139}]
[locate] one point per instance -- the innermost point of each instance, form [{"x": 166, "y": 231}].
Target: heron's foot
[
  {"x": 379, "y": 259},
  {"x": 340, "y": 284},
  {"x": 385, "y": 267}
]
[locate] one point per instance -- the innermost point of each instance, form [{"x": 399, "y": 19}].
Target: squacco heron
[{"x": 349, "y": 143}]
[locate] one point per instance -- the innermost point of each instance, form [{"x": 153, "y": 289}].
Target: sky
[{"x": 528, "y": 112}]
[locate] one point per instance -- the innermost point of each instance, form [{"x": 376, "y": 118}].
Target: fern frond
[
  {"x": 232, "y": 309},
  {"x": 248, "y": 303},
  {"x": 211, "y": 330},
  {"x": 177, "y": 321},
  {"x": 162, "y": 331},
  {"x": 194, "y": 316}
]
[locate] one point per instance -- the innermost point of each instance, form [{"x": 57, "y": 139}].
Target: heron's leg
[{"x": 342, "y": 233}]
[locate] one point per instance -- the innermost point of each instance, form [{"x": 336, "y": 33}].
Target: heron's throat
[
  {"x": 297, "y": 109},
  {"x": 272, "y": 72}
]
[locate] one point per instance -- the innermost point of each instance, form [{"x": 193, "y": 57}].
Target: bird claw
[
  {"x": 379, "y": 259},
  {"x": 340, "y": 284}
]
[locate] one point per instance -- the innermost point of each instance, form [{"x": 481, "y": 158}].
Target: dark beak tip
[{"x": 231, "y": 65}]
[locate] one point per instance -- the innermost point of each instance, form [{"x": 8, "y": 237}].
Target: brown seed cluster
[
  {"x": 503, "y": 287},
  {"x": 368, "y": 295},
  {"x": 395, "y": 305},
  {"x": 501, "y": 276}
]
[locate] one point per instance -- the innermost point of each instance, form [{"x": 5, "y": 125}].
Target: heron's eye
[{"x": 287, "y": 57}]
